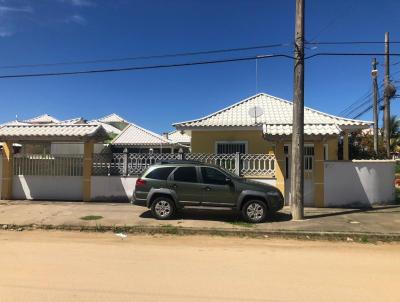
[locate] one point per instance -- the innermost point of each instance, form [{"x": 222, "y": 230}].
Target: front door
[
  {"x": 184, "y": 182},
  {"x": 217, "y": 191}
]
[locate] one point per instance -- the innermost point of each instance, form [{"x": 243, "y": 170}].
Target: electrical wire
[{"x": 162, "y": 56}]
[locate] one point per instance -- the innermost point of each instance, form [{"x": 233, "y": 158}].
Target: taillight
[{"x": 140, "y": 182}]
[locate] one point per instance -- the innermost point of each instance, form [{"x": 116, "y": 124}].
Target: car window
[
  {"x": 213, "y": 176},
  {"x": 186, "y": 174},
  {"x": 160, "y": 173}
]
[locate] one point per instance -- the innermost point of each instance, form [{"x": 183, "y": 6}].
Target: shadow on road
[{"x": 223, "y": 215}]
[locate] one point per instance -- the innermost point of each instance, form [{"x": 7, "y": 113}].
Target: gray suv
[{"x": 171, "y": 185}]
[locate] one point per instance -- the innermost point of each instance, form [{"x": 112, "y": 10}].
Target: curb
[{"x": 364, "y": 237}]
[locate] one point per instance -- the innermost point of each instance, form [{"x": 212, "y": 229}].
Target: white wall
[
  {"x": 112, "y": 188},
  {"x": 72, "y": 148},
  {"x": 308, "y": 192},
  {"x": 270, "y": 181},
  {"x": 359, "y": 183},
  {"x": 47, "y": 187}
]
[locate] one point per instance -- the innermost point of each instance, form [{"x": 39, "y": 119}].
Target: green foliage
[
  {"x": 110, "y": 138},
  {"x": 91, "y": 217}
]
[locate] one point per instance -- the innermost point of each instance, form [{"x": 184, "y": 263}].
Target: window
[
  {"x": 308, "y": 158},
  {"x": 185, "y": 174},
  {"x": 231, "y": 147},
  {"x": 213, "y": 176},
  {"x": 160, "y": 173}
]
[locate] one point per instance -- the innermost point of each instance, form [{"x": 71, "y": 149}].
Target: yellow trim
[
  {"x": 280, "y": 167},
  {"x": 7, "y": 177},
  {"x": 87, "y": 169}
]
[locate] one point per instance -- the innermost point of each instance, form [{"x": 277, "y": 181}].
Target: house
[
  {"x": 140, "y": 140},
  {"x": 262, "y": 124},
  {"x": 179, "y": 137},
  {"x": 66, "y": 147}
]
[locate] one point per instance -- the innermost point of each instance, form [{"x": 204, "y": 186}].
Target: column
[
  {"x": 280, "y": 167},
  {"x": 87, "y": 169},
  {"x": 319, "y": 174},
  {"x": 7, "y": 177},
  {"x": 346, "y": 145}
]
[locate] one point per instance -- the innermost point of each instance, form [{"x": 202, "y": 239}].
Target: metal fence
[
  {"x": 50, "y": 165},
  {"x": 127, "y": 164}
]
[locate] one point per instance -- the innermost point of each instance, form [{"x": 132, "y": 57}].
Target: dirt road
[{"x": 63, "y": 266}]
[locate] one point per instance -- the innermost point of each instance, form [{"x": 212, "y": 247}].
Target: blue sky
[{"x": 47, "y": 31}]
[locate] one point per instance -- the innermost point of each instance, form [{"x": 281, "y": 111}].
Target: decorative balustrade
[{"x": 127, "y": 164}]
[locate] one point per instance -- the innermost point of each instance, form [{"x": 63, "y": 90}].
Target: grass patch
[
  {"x": 242, "y": 224},
  {"x": 91, "y": 217}
]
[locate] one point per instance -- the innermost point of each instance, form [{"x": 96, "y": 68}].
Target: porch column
[
  {"x": 87, "y": 169},
  {"x": 7, "y": 170},
  {"x": 319, "y": 174},
  {"x": 346, "y": 145},
  {"x": 280, "y": 167}
]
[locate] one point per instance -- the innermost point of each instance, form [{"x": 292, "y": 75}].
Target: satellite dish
[{"x": 255, "y": 112}]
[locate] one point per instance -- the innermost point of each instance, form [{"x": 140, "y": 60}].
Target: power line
[
  {"x": 162, "y": 56},
  {"x": 184, "y": 54},
  {"x": 133, "y": 68},
  {"x": 160, "y": 66},
  {"x": 349, "y": 42}
]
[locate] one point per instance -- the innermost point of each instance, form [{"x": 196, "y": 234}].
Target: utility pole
[
  {"x": 374, "y": 74},
  {"x": 297, "y": 165},
  {"x": 386, "y": 99}
]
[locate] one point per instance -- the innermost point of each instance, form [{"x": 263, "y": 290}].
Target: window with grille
[
  {"x": 308, "y": 158},
  {"x": 231, "y": 147}
]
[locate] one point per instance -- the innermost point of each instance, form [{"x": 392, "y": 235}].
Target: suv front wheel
[
  {"x": 254, "y": 211},
  {"x": 163, "y": 208}
]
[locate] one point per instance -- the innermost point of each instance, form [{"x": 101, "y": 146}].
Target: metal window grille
[
  {"x": 308, "y": 158},
  {"x": 231, "y": 148}
]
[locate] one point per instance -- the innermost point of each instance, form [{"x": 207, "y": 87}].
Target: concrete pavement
[{"x": 383, "y": 220}]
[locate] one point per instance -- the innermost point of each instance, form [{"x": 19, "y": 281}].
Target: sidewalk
[{"x": 377, "y": 222}]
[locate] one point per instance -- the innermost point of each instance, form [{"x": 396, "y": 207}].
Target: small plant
[{"x": 91, "y": 217}]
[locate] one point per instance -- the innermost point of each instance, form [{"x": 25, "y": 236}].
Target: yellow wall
[{"x": 204, "y": 141}]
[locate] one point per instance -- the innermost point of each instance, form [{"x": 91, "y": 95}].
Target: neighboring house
[
  {"x": 263, "y": 124},
  {"x": 66, "y": 147},
  {"x": 179, "y": 137},
  {"x": 139, "y": 140},
  {"x": 114, "y": 120}
]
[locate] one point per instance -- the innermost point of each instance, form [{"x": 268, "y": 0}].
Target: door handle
[
  {"x": 207, "y": 188},
  {"x": 174, "y": 186}
]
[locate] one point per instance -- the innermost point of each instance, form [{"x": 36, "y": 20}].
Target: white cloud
[
  {"x": 4, "y": 33},
  {"x": 79, "y": 2},
  {"x": 13, "y": 9},
  {"x": 77, "y": 19}
]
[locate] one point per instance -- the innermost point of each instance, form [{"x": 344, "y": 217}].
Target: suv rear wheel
[
  {"x": 163, "y": 208},
  {"x": 254, "y": 211}
]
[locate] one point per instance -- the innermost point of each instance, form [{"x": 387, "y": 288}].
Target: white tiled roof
[
  {"x": 109, "y": 128},
  {"x": 76, "y": 120},
  {"x": 309, "y": 129},
  {"x": 112, "y": 118},
  {"x": 44, "y": 118},
  {"x": 178, "y": 137},
  {"x": 135, "y": 135},
  {"x": 38, "y": 131},
  {"x": 275, "y": 111}
]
